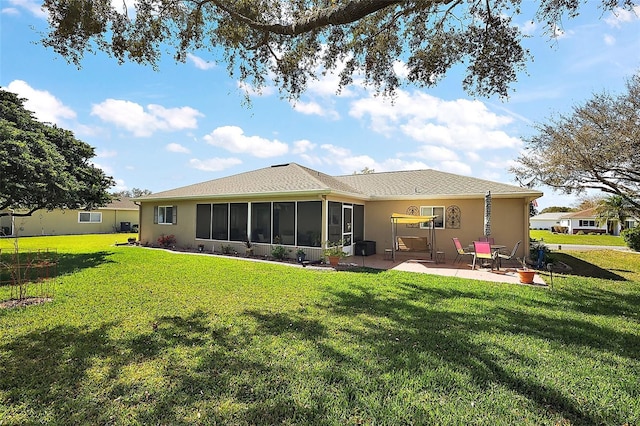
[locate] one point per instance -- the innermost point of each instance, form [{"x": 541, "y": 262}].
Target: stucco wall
[
  {"x": 65, "y": 222},
  {"x": 507, "y": 223}
]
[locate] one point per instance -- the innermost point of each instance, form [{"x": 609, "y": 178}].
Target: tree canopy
[
  {"x": 131, "y": 193},
  {"x": 294, "y": 41},
  {"x": 43, "y": 166},
  {"x": 597, "y": 146}
]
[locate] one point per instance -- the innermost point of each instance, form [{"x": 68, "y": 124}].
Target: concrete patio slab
[{"x": 423, "y": 264}]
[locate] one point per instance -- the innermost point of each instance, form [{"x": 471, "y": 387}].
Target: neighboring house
[
  {"x": 298, "y": 207},
  {"x": 117, "y": 216},
  {"x": 547, "y": 221},
  {"x": 586, "y": 221}
]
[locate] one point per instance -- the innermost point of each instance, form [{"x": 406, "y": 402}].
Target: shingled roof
[
  {"x": 292, "y": 178},
  {"x": 429, "y": 184}
]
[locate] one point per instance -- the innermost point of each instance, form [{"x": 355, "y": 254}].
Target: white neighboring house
[
  {"x": 546, "y": 221},
  {"x": 574, "y": 222},
  {"x": 587, "y": 222}
]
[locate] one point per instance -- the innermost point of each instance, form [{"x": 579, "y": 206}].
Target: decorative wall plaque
[
  {"x": 413, "y": 211},
  {"x": 453, "y": 217}
]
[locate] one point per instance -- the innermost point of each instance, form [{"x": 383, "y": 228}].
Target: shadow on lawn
[
  {"x": 418, "y": 339},
  {"x": 78, "y": 375},
  {"x": 301, "y": 367},
  {"x": 585, "y": 269},
  {"x": 69, "y": 263}
]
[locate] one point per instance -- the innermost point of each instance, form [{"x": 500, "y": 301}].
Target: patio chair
[
  {"x": 505, "y": 256},
  {"x": 482, "y": 250},
  {"x": 460, "y": 251},
  {"x": 489, "y": 240}
]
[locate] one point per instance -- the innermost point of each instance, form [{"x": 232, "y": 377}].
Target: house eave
[
  {"x": 244, "y": 195},
  {"x": 528, "y": 195}
]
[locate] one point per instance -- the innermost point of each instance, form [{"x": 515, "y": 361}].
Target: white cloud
[
  {"x": 176, "y": 147},
  {"x": 105, "y": 153},
  {"x": 32, "y": 6},
  {"x": 401, "y": 69},
  {"x": 349, "y": 163},
  {"x": 106, "y": 169},
  {"x": 119, "y": 186},
  {"x": 528, "y": 28},
  {"x": 458, "y": 124},
  {"x": 314, "y": 108},
  {"x": 253, "y": 91},
  {"x": 302, "y": 146},
  {"x": 609, "y": 40},
  {"x": 10, "y": 11},
  {"x": 214, "y": 164},
  {"x": 435, "y": 153},
  {"x": 621, "y": 16},
  {"x": 46, "y": 107},
  {"x": 200, "y": 63},
  {"x": 133, "y": 117},
  {"x": 233, "y": 139}
]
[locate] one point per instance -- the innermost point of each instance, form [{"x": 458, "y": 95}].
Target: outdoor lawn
[
  {"x": 143, "y": 336},
  {"x": 597, "y": 240}
]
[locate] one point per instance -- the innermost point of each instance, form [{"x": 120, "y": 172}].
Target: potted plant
[
  {"x": 525, "y": 274},
  {"x": 333, "y": 252},
  {"x": 301, "y": 255}
]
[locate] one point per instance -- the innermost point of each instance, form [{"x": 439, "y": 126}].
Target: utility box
[
  {"x": 125, "y": 226},
  {"x": 365, "y": 248}
]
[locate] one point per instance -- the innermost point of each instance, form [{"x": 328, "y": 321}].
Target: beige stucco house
[
  {"x": 298, "y": 207},
  {"x": 119, "y": 215}
]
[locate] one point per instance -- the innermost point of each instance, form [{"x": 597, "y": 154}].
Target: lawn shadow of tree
[
  {"x": 416, "y": 336},
  {"x": 585, "y": 269}
]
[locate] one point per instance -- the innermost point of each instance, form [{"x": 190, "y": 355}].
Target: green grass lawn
[
  {"x": 141, "y": 336},
  {"x": 598, "y": 240}
]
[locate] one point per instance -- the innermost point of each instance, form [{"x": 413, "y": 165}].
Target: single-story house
[
  {"x": 587, "y": 221},
  {"x": 300, "y": 208},
  {"x": 548, "y": 221},
  {"x": 117, "y": 216}
]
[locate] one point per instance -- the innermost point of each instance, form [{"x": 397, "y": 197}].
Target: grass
[
  {"x": 598, "y": 240},
  {"x": 139, "y": 336}
]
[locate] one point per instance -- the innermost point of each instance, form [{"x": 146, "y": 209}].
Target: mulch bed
[{"x": 27, "y": 301}]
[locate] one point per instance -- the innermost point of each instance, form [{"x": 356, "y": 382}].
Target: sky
[{"x": 187, "y": 123}]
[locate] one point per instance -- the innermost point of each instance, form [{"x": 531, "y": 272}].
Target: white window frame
[
  {"x": 428, "y": 211},
  {"x": 164, "y": 215},
  {"x": 94, "y": 217},
  {"x": 587, "y": 223}
]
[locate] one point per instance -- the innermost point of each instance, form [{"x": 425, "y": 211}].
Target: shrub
[
  {"x": 228, "y": 250},
  {"x": 632, "y": 238},
  {"x": 279, "y": 252},
  {"x": 167, "y": 240}
]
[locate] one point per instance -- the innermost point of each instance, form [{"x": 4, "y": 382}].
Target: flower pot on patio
[
  {"x": 334, "y": 260},
  {"x": 526, "y": 275}
]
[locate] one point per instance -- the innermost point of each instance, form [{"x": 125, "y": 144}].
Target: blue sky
[{"x": 187, "y": 123}]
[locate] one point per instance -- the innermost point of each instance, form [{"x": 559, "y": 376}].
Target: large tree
[
  {"x": 614, "y": 208},
  {"x": 597, "y": 146},
  {"x": 43, "y": 166},
  {"x": 294, "y": 40}
]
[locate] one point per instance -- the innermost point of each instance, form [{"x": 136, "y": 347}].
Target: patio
[{"x": 421, "y": 263}]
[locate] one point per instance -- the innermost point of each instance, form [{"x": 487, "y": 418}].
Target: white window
[
  {"x": 165, "y": 215},
  {"x": 628, "y": 224},
  {"x": 90, "y": 217},
  {"x": 438, "y": 221},
  {"x": 588, "y": 223}
]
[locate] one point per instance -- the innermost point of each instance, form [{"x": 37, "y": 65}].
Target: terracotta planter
[
  {"x": 526, "y": 275},
  {"x": 333, "y": 260}
]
